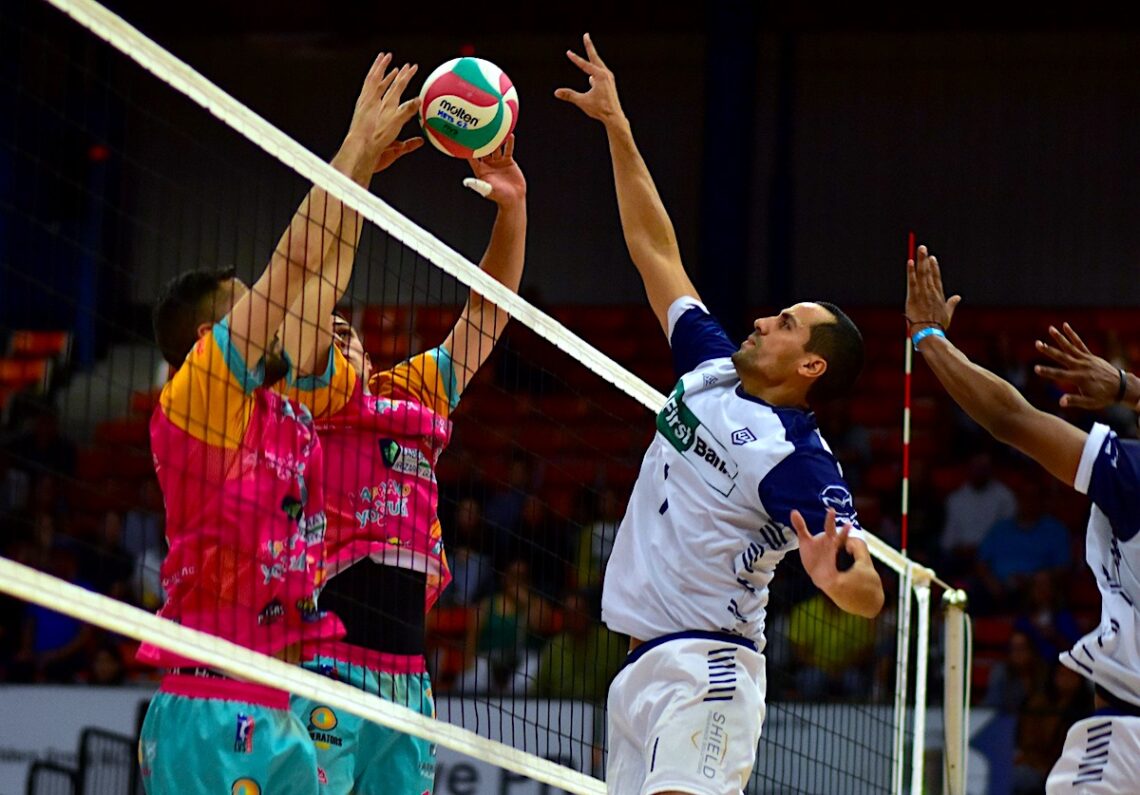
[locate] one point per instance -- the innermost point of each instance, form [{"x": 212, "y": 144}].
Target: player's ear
[
  {"x": 204, "y": 329},
  {"x": 812, "y": 366}
]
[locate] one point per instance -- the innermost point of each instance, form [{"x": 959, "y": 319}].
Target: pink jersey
[
  {"x": 381, "y": 450},
  {"x": 240, "y": 471}
]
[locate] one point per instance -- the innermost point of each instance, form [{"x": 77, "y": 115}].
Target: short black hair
[
  {"x": 185, "y": 303},
  {"x": 841, "y": 346}
]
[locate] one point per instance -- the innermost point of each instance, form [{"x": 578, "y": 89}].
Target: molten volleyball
[{"x": 468, "y": 107}]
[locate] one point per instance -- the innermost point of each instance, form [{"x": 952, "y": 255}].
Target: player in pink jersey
[
  {"x": 240, "y": 471},
  {"x": 383, "y": 434}
]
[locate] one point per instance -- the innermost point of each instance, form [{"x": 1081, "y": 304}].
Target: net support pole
[
  {"x": 956, "y": 699},
  {"x": 902, "y": 670},
  {"x": 920, "y": 578}
]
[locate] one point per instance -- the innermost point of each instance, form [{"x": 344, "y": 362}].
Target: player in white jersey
[
  {"x": 736, "y": 463},
  {"x": 1101, "y": 753}
]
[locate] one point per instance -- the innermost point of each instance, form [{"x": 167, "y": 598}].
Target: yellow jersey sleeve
[
  {"x": 211, "y": 395},
  {"x": 324, "y": 394},
  {"x": 428, "y": 378}
]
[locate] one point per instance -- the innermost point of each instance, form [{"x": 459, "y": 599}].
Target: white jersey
[
  {"x": 1109, "y": 473},
  {"x": 708, "y": 519}
]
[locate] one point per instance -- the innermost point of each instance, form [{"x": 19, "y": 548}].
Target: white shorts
[
  {"x": 685, "y": 714},
  {"x": 1101, "y": 756}
]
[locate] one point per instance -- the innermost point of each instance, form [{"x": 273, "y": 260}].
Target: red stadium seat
[
  {"x": 40, "y": 344},
  {"x": 21, "y": 373},
  {"x": 131, "y": 432},
  {"x": 992, "y": 632},
  {"x": 144, "y": 403}
]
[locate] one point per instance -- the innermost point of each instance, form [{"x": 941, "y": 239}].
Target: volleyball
[{"x": 468, "y": 107}]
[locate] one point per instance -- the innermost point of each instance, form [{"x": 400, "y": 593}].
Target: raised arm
[
  {"x": 301, "y": 252},
  {"x": 989, "y": 400},
  {"x": 307, "y": 330},
  {"x": 648, "y": 231},
  {"x": 498, "y": 178}
]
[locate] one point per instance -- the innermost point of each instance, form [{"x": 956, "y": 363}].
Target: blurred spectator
[
  {"x": 1001, "y": 359},
  {"x": 972, "y": 510},
  {"x": 41, "y": 448},
  {"x": 107, "y": 666},
  {"x": 143, "y": 524},
  {"x": 1012, "y": 681},
  {"x": 105, "y": 564},
  {"x": 849, "y": 441},
  {"x": 15, "y": 486},
  {"x": 1015, "y": 549},
  {"x": 47, "y": 497},
  {"x": 517, "y": 370},
  {"x": 833, "y": 650},
  {"x": 596, "y": 540},
  {"x": 540, "y": 538},
  {"x": 465, "y": 479},
  {"x": 1050, "y": 628},
  {"x": 503, "y": 641},
  {"x": 54, "y": 647},
  {"x": 926, "y": 515},
  {"x": 504, "y": 505},
  {"x": 1042, "y": 723},
  {"x": 580, "y": 661},
  {"x": 470, "y": 568}
]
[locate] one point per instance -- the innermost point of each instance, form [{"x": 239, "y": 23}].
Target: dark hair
[
  {"x": 841, "y": 346},
  {"x": 185, "y": 303}
]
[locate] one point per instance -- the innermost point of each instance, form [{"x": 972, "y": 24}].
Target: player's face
[
  {"x": 348, "y": 342},
  {"x": 775, "y": 348}
]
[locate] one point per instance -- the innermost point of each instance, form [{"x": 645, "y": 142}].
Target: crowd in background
[{"x": 527, "y": 580}]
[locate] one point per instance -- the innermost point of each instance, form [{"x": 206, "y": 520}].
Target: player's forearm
[
  {"x": 858, "y": 590},
  {"x": 506, "y": 250},
  {"x": 482, "y": 322},
  {"x": 990, "y": 401},
  {"x": 649, "y": 233},
  {"x": 314, "y": 230}
]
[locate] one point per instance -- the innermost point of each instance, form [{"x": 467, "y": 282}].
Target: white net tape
[{"x": 102, "y": 611}]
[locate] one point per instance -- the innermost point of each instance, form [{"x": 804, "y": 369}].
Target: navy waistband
[{"x": 690, "y": 634}]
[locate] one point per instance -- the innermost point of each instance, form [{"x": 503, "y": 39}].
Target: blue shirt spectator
[{"x": 1032, "y": 541}]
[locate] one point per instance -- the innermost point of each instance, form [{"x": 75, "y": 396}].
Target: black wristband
[{"x": 1123, "y": 385}]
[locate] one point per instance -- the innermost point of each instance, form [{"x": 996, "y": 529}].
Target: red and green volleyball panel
[{"x": 468, "y": 107}]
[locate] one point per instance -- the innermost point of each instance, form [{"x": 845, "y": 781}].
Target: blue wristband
[{"x": 929, "y": 331}]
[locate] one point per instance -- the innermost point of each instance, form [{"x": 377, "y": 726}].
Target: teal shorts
[
  {"x": 357, "y": 756},
  {"x": 205, "y": 736}
]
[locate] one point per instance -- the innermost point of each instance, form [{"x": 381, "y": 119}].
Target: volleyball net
[{"x": 121, "y": 166}]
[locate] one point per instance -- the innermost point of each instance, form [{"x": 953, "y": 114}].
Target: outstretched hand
[
  {"x": 380, "y": 115},
  {"x": 926, "y": 303},
  {"x": 601, "y": 101},
  {"x": 501, "y": 179},
  {"x": 1097, "y": 381},
  {"x": 819, "y": 553}
]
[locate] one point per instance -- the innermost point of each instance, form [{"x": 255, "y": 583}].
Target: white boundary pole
[
  {"x": 902, "y": 689},
  {"x": 955, "y": 702},
  {"x": 922, "y": 659}
]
